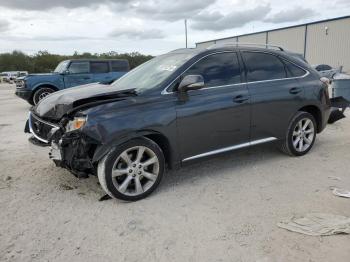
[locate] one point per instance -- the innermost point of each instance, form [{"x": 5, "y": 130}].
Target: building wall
[
  {"x": 205, "y": 44},
  {"x": 255, "y": 38},
  {"x": 330, "y": 46},
  {"x": 323, "y": 46},
  {"x": 290, "y": 39},
  {"x": 227, "y": 40}
]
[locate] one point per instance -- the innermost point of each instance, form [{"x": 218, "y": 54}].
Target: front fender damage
[{"x": 73, "y": 151}]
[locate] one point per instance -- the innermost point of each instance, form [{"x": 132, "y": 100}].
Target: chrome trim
[
  {"x": 165, "y": 92},
  {"x": 230, "y": 148},
  {"x": 43, "y": 121},
  {"x": 32, "y": 131},
  {"x": 279, "y": 79}
]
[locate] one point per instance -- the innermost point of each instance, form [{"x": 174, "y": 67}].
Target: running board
[{"x": 231, "y": 148}]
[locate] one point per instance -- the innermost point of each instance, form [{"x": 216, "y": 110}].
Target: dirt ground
[{"x": 224, "y": 209}]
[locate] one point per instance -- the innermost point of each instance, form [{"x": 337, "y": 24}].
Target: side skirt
[{"x": 231, "y": 148}]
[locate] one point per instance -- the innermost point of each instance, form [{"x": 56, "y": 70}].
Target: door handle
[
  {"x": 86, "y": 78},
  {"x": 295, "y": 90},
  {"x": 240, "y": 99}
]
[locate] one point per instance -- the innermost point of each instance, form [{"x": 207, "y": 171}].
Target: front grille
[{"x": 40, "y": 128}]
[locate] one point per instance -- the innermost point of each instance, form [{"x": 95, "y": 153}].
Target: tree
[{"x": 44, "y": 62}]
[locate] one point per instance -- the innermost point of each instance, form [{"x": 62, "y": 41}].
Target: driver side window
[
  {"x": 217, "y": 69},
  {"x": 79, "y": 68}
]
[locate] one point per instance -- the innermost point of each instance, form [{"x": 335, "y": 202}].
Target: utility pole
[{"x": 186, "y": 31}]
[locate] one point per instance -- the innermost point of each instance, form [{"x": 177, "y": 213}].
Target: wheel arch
[
  {"x": 42, "y": 85},
  {"x": 160, "y": 139},
  {"x": 38, "y": 87},
  {"x": 316, "y": 113}
]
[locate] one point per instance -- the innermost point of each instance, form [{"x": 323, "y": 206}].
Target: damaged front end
[
  {"x": 72, "y": 150},
  {"x": 58, "y": 122}
]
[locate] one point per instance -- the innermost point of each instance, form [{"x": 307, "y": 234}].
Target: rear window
[
  {"x": 293, "y": 70},
  {"x": 262, "y": 66},
  {"x": 120, "y": 66},
  {"x": 99, "y": 67}
]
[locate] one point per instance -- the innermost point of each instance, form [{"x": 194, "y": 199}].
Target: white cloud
[
  {"x": 137, "y": 33},
  {"x": 291, "y": 15},
  {"x": 4, "y": 25},
  {"x": 217, "y": 21},
  {"x": 171, "y": 10},
  {"x": 149, "y": 26}
]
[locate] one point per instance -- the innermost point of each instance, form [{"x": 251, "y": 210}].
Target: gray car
[{"x": 327, "y": 70}]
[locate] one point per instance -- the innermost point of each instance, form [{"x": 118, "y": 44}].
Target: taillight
[
  {"x": 327, "y": 86},
  {"x": 325, "y": 80}
]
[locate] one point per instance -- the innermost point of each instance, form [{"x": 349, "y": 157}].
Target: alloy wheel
[
  {"x": 303, "y": 135},
  {"x": 135, "y": 170},
  {"x": 43, "y": 95}
]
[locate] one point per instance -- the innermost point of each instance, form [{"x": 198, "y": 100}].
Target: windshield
[
  {"x": 152, "y": 73},
  {"x": 61, "y": 67}
]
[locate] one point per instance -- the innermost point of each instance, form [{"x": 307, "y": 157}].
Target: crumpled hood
[{"x": 59, "y": 103}]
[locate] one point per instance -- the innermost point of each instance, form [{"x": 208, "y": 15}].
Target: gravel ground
[{"x": 224, "y": 209}]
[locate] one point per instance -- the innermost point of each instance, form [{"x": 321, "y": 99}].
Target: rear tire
[
  {"x": 301, "y": 135},
  {"x": 133, "y": 170},
  {"x": 41, "y": 94}
]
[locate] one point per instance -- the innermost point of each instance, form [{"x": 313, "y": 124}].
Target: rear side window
[
  {"x": 293, "y": 70},
  {"x": 120, "y": 66},
  {"x": 218, "y": 69},
  {"x": 262, "y": 66},
  {"x": 79, "y": 67},
  {"x": 99, "y": 67}
]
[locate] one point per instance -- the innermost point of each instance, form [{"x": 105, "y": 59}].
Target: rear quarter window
[{"x": 293, "y": 70}]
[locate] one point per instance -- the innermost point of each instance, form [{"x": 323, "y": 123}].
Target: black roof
[{"x": 95, "y": 60}]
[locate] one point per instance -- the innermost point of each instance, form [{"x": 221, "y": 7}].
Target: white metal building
[{"x": 321, "y": 42}]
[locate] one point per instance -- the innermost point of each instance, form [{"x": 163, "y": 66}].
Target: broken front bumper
[
  {"x": 339, "y": 105},
  {"x": 72, "y": 150}
]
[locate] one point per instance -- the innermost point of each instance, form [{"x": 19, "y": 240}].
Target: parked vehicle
[
  {"x": 327, "y": 70},
  {"x": 11, "y": 76},
  {"x": 180, "y": 107},
  {"x": 3, "y": 77},
  {"x": 70, "y": 73}
]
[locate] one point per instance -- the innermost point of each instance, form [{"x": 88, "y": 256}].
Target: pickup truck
[{"x": 70, "y": 73}]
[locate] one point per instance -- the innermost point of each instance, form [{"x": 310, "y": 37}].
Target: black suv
[{"x": 179, "y": 107}]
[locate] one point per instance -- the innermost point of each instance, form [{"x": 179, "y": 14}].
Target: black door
[
  {"x": 276, "y": 93},
  {"x": 217, "y": 116}
]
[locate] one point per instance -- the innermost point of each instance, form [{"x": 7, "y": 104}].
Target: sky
[{"x": 149, "y": 26}]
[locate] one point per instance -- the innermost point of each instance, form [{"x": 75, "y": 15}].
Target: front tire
[
  {"x": 133, "y": 170},
  {"x": 41, "y": 94},
  {"x": 301, "y": 135}
]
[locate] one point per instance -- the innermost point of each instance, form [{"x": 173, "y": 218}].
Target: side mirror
[
  {"x": 66, "y": 72},
  {"x": 191, "y": 82}
]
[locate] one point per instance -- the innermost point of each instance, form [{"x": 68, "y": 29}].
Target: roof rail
[{"x": 246, "y": 44}]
